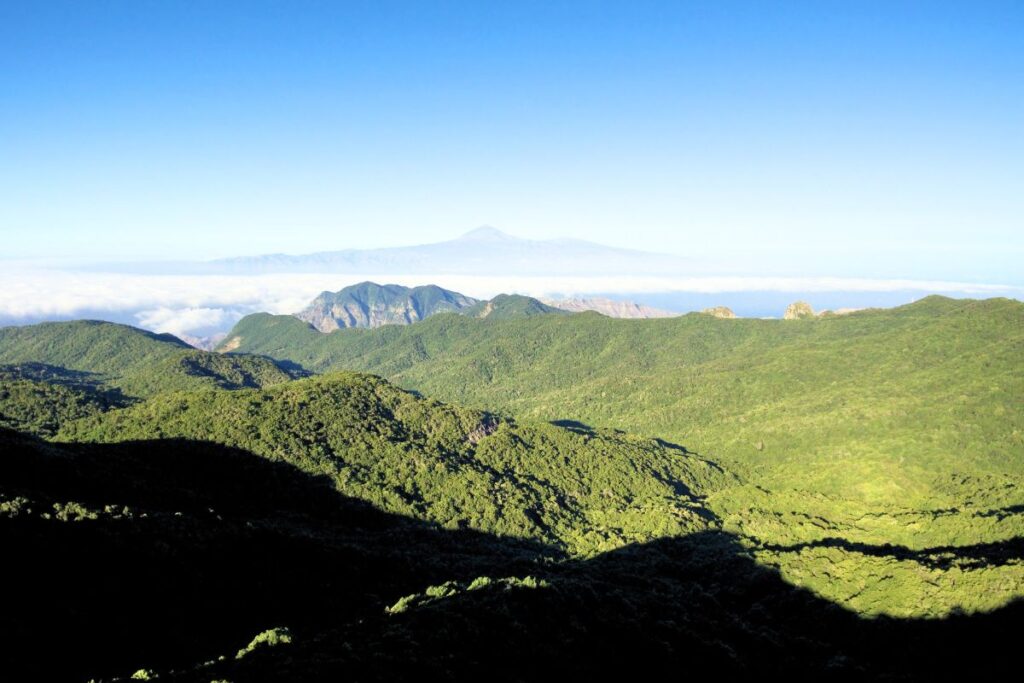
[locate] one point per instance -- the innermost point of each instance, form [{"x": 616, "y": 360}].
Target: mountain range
[{"x": 485, "y": 251}]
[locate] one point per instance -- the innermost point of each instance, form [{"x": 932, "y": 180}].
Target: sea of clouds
[{"x": 204, "y": 305}]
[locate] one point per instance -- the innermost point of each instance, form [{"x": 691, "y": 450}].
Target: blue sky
[{"x": 826, "y": 138}]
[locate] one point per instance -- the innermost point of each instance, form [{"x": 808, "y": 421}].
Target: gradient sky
[{"x": 821, "y": 138}]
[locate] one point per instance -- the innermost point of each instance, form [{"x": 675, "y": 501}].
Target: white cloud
[
  {"x": 201, "y": 304},
  {"x": 181, "y": 321}
]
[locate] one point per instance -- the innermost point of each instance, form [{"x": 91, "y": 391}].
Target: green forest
[{"x": 830, "y": 495}]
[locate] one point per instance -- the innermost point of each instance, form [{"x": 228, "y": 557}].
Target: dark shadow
[
  {"x": 1002, "y": 513},
  {"x": 674, "y": 446},
  {"x": 178, "y": 551},
  {"x": 204, "y": 546},
  {"x": 291, "y": 367},
  {"x": 575, "y": 426},
  {"x": 940, "y": 557},
  {"x": 672, "y": 609}
]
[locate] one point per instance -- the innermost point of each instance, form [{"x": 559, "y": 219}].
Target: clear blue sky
[{"x": 846, "y": 138}]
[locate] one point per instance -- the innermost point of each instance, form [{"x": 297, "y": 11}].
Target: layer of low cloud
[
  {"x": 205, "y": 304},
  {"x": 187, "y": 321}
]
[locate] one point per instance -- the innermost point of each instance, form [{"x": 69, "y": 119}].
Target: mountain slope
[
  {"x": 137, "y": 362},
  {"x": 368, "y": 304},
  {"x": 899, "y": 426},
  {"x": 577, "y": 488},
  {"x": 867, "y": 383}
]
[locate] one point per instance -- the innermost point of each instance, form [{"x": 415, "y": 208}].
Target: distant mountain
[
  {"x": 609, "y": 307},
  {"x": 368, "y": 304},
  {"x": 371, "y": 305},
  {"x": 484, "y": 251}
]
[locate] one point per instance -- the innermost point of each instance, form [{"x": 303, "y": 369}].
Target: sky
[{"x": 853, "y": 139}]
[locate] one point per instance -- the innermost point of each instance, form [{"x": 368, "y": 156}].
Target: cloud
[
  {"x": 203, "y": 304},
  {"x": 182, "y": 321}
]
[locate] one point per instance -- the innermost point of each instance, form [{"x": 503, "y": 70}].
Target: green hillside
[
  {"x": 832, "y": 469},
  {"x": 579, "y": 489},
  {"x": 878, "y": 402},
  {"x": 510, "y": 306},
  {"x": 137, "y": 362},
  {"x": 901, "y": 426}
]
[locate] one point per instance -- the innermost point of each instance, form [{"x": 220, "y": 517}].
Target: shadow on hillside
[
  {"x": 940, "y": 557},
  {"x": 697, "y": 606},
  {"x": 80, "y": 380},
  {"x": 575, "y": 426},
  {"x": 177, "y": 551},
  {"x": 205, "y": 546},
  {"x": 587, "y": 430},
  {"x": 294, "y": 369}
]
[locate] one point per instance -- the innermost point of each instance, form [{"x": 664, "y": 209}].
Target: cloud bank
[{"x": 206, "y": 304}]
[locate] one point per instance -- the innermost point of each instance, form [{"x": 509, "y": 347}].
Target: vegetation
[
  {"x": 899, "y": 426},
  {"x": 876, "y": 406},
  {"x": 780, "y": 482},
  {"x": 133, "y": 361},
  {"x": 580, "y": 489},
  {"x": 39, "y": 398},
  {"x": 196, "y": 549},
  {"x": 510, "y": 306}
]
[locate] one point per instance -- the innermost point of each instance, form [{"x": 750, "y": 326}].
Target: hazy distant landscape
[
  {"x": 431, "y": 341},
  {"x": 200, "y": 301}
]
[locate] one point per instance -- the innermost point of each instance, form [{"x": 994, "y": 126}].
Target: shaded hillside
[
  {"x": 197, "y": 550},
  {"x": 165, "y": 553},
  {"x": 581, "y": 489},
  {"x": 39, "y": 398},
  {"x": 137, "y": 362}
]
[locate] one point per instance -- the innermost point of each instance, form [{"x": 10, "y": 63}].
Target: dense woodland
[{"x": 516, "y": 496}]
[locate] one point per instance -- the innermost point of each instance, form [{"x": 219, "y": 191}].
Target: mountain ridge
[{"x": 483, "y": 251}]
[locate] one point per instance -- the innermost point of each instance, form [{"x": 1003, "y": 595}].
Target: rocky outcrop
[
  {"x": 799, "y": 310},
  {"x": 371, "y": 305},
  {"x": 720, "y": 312}
]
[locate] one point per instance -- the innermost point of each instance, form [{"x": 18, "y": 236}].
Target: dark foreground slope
[
  {"x": 166, "y": 554},
  {"x": 163, "y": 553}
]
